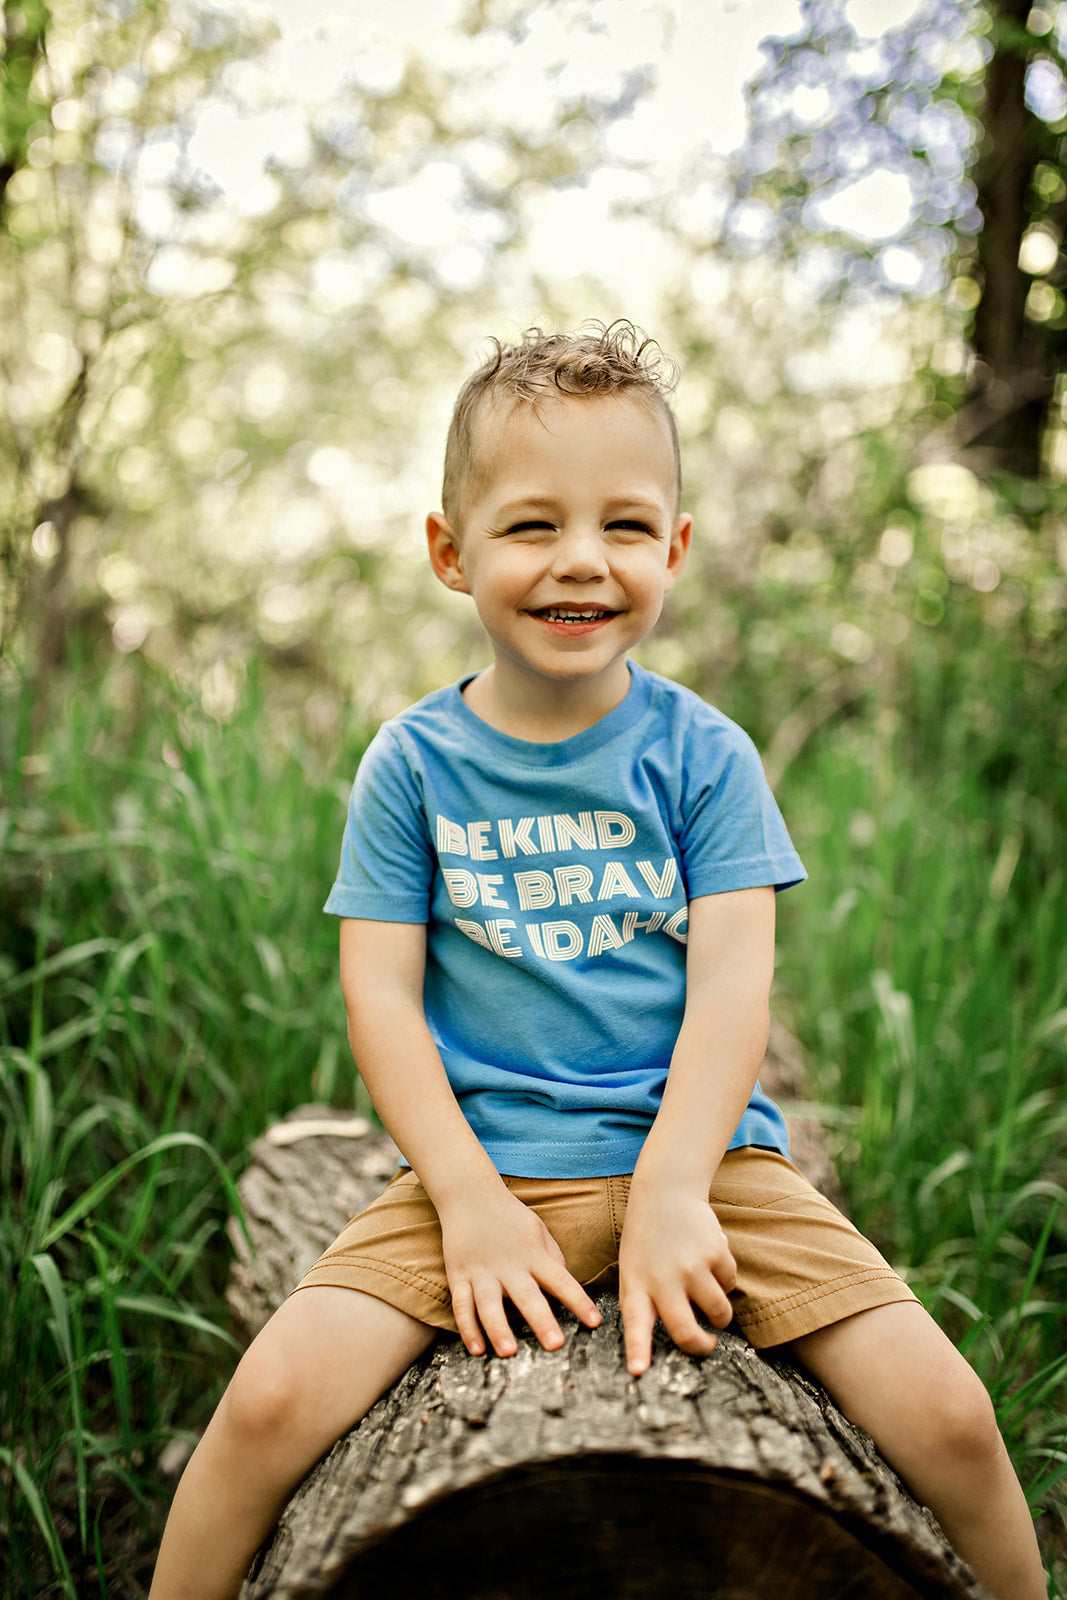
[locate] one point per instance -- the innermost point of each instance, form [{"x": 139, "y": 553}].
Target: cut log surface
[
  {"x": 554, "y": 1474},
  {"x": 307, "y": 1176}
]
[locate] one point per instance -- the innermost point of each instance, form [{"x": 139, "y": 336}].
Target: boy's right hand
[{"x": 501, "y": 1250}]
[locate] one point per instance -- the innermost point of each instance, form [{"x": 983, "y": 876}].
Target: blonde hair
[{"x": 617, "y": 359}]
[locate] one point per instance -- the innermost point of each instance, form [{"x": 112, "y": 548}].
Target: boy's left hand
[{"x": 673, "y": 1256}]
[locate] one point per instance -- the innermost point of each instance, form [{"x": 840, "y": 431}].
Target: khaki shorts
[{"x": 801, "y": 1265}]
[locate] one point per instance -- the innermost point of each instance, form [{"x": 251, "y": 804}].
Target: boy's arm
[
  {"x": 673, "y": 1254},
  {"x": 495, "y": 1247}
]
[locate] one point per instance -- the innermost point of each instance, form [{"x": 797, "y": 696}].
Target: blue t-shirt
[{"x": 554, "y": 880}]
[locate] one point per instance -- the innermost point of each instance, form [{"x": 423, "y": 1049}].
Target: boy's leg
[
  {"x": 317, "y": 1367},
  {"x": 894, "y": 1372}
]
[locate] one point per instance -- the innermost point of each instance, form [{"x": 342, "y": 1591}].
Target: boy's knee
[
  {"x": 263, "y": 1398},
  {"x": 961, "y": 1425}
]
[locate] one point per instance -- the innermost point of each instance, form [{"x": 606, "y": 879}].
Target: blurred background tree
[
  {"x": 225, "y": 313},
  {"x": 940, "y": 149},
  {"x": 891, "y": 260},
  {"x": 241, "y": 276}
]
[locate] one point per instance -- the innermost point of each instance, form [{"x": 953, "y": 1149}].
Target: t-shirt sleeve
[
  {"x": 733, "y": 835},
  {"x": 387, "y": 862}
]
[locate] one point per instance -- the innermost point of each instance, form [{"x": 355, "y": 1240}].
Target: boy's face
[{"x": 570, "y": 540}]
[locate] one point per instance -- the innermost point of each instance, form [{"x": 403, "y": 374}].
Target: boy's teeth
[{"x": 555, "y": 615}]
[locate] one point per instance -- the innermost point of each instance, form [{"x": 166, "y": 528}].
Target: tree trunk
[
  {"x": 1004, "y": 417},
  {"x": 556, "y": 1473}
]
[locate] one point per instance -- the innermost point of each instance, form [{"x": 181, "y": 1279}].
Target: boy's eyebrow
[
  {"x": 533, "y": 502},
  {"x": 634, "y": 502},
  {"x": 547, "y": 502}
]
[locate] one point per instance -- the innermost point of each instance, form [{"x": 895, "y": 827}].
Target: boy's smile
[{"x": 570, "y": 540}]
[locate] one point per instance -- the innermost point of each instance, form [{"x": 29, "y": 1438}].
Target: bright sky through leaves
[{"x": 693, "y": 113}]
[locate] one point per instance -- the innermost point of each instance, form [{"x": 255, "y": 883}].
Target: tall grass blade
[
  {"x": 55, "y": 1289},
  {"x": 103, "y": 1186},
  {"x": 42, "y": 1517}
]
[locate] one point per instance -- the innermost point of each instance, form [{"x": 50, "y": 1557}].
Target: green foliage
[
  {"x": 24, "y": 44},
  {"x": 927, "y": 965},
  {"x": 840, "y": 547},
  {"x": 165, "y": 990}
]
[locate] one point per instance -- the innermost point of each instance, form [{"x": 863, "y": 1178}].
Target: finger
[
  {"x": 638, "y": 1321},
  {"x": 535, "y": 1309},
  {"x": 712, "y": 1299},
  {"x": 466, "y": 1319},
  {"x": 685, "y": 1331},
  {"x": 724, "y": 1267},
  {"x": 566, "y": 1288},
  {"x": 489, "y": 1303}
]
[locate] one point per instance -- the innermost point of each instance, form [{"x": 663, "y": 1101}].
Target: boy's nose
[{"x": 580, "y": 555}]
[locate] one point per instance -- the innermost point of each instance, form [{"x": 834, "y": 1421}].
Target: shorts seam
[
  {"x": 791, "y": 1196},
  {"x": 407, "y": 1276},
  {"x": 616, "y": 1226},
  {"x": 811, "y": 1297}
]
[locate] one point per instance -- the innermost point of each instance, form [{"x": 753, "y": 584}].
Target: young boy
[{"x": 557, "y": 893}]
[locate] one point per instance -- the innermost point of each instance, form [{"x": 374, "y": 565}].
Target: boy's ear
[
  {"x": 445, "y": 558},
  {"x": 679, "y": 548}
]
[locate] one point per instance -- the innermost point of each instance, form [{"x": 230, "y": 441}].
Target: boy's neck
[{"x": 548, "y": 713}]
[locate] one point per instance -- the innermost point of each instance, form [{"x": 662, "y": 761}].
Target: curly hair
[{"x": 617, "y": 359}]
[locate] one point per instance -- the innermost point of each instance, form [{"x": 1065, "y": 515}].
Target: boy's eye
[{"x": 536, "y": 527}]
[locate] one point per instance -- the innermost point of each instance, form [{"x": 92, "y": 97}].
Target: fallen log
[{"x": 731, "y": 1477}]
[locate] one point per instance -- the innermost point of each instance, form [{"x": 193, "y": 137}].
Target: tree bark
[
  {"x": 556, "y": 1473},
  {"x": 1004, "y": 417}
]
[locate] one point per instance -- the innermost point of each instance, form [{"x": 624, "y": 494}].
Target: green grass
[
  {"x": 167, "y": 987},
  {"x": 926, "y": 968}
]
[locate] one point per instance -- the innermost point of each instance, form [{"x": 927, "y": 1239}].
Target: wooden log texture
[{"x": 731, "y": 1477}]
